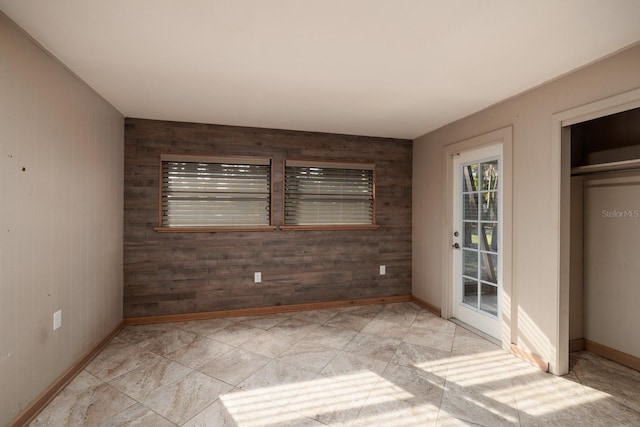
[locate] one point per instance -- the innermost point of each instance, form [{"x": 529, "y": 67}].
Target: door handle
[{"x": 456, "y": 246}]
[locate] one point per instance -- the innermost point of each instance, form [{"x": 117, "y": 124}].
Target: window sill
[
  {"x": 328, "y": 227},
  {"x": 213, "y": 229}
]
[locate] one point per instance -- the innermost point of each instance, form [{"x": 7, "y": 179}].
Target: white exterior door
[{"x": 477, "y": 238}]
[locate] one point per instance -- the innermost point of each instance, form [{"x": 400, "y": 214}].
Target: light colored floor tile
[
  {"x": 403, "y": 396},
  {"x": 412, "y": 384},
  {"x": 607, "y": 412},
  {"x": 265, "y": 322},
  {"x": 385, "y": 329},
  {"x": 279, "y": 382},
  {"x": 294, "y": 327},
  {"x": 172, "y": 340},
  {"x": 544, "y": 399},
  {"x": 375, "y": 347},
  {"x": 426, "y": 320},
  {"x": 466, "y": 342},
  {"x": 488, "y": 369},
  {"x": 402, "y": 307},
  {"x": 182, "y": 400},
  {"x": 620, "y": 382},
  {"x": 431, "y": 331},
  {"x": 200, "y": 352},
  {"x": 289, "y": 418},
  {"x": 349, "y": 321},
  {"x": 118, "y": 358},
  {"x": 438, "y": 340},
  {"x": 330, "y": 374},
  {"x": 204, "y": 327},
  {"x": 308, "y": 355},
  {"x": 408, "y": 354},
  {"x": 480, "y": 405},
  {"x": 236, "y": 409},
  {"x": 270, "y": 344},
  {"x": 538, "y": 393},
  {"x": 217, "y": 415},
  {"x": 346, "y": 364},
  {"x": 144, "y": 380},
  {"x": 236, "y": 334},
  {"x": 399, "y": 317},
  {"x": 330, "y": 336},
  {"x": 137, "y": 415},
  {"x": 397, "y": 413},
  {"x": 80, "y": 383},
  {"x": 604, "y": 414},
  {"x": 140, "y": 333},
  {"x": 334, "y": 402},
  {"x": 235, "y": 366},
  {"x": 316, "y": 316},
  {"x": 446, "y": 420},
  {"x": 370, "y": 310},
  {"x": 88, "y": 407}
]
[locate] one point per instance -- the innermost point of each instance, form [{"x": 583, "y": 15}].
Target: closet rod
[{"x": 622, "y": 166}]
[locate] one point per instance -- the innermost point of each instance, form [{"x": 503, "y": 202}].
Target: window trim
[
  {"x": 335, "y": 165},
  {"x": 208, "y": 158}
]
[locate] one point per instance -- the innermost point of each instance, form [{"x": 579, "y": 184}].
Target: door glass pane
[
  {"x": 470, "y": 292},
  {"x": 470, "y": 207},
  {"x": 489, "y": 237},
  {"x": 470, "y": 178},
  {"x": 489, "y": 299},
  {"x": 489, "y": 267},
  {"x": 490, "y": 175},
  {"x": 470, "y": 267},
  {"x": 489, "y": 206},
  {"x": 470, "y": 238}
]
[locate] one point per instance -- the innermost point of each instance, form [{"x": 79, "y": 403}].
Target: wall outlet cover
[
  {"x": 257, "y": 277},
  {"x": 383, "y": 270}
]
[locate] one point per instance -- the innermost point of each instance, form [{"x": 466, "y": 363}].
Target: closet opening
[{"x": 604, "y": 295}]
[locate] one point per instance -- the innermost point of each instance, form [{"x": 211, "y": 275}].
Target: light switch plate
[
  {"x": 57, "y": 320},
  {"x": 383, "y": 270},
  {"x": 257, "y": 277}
]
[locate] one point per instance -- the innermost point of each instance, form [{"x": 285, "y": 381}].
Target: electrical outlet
[
  {"x": 57, "y": 319},
  {"x": 257, "y": 277},
  {"x": 383, "y": 270}
]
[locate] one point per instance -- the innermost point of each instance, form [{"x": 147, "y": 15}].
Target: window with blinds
[
  {"x": 202, "y": 191},
  {"x": 329, "y": 194}
]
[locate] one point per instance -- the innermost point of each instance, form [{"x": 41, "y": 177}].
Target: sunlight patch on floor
[{"x": 312, "y": 399}]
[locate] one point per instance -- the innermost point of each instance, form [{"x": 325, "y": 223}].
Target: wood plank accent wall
[{"x": 175, "y": 273}]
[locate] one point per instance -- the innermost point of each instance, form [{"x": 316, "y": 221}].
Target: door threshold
[{"x": 476, "y": 331}]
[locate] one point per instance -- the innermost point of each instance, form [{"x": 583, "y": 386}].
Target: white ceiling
[{"x": 396, "y": 68}]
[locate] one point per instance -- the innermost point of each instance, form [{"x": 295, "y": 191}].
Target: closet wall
[{"x": 612, "y": 261}]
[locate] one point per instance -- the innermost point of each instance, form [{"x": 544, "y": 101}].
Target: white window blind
[
  {"x": 323, "y": 193},
  {"x": 202, "y": 191}
]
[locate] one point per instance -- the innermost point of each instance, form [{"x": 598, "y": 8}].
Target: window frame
[
  {"x": 213, "y": 159},
  {"x": 329, "y": 164}
]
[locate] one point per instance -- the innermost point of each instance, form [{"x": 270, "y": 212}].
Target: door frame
[
  {"x": 501, "y": 136},
  {"x": 561, "y": 206}
]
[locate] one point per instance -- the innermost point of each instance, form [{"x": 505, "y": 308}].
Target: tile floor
[{"x": 375, "y": 365}]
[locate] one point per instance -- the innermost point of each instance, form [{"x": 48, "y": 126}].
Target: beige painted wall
[
  {"x": 61, "y": 204},
  {"x": 535, "y": 225}
]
